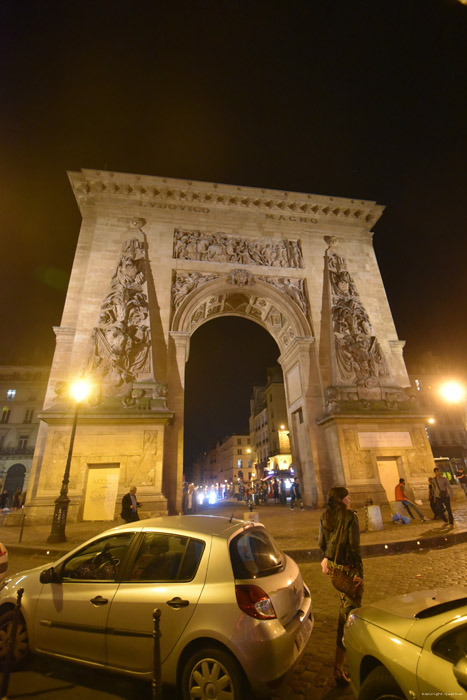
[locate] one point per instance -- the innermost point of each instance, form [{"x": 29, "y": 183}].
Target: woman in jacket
[{"x": 339, "y": 542}]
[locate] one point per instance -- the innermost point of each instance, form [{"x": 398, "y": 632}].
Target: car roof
[{"x": 203, "y": 524}]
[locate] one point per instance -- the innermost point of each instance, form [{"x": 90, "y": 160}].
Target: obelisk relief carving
[
  {"x": 121, "y": 341},
  {"x": 357, "y": 373},
  {"x": 358, "y": 353}
]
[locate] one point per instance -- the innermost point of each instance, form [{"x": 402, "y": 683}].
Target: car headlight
[{"x": 351, "y": 619}]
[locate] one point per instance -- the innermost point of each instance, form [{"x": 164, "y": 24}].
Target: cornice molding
[{"x": 94, "y": 186}]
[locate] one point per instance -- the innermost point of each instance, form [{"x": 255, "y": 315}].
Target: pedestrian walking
[
  {"x": 462, "y": 478},
  {"x": 130, "y": 506},
  {"x": 4, "y": 500},
  {"x": 189, "y": 500},
  {"x": 339, "y": 542},
  {"x": 431, "y": 498},
  {"x": 295, "y": 494},
  {"x": 17, "y": 500},
  {"x": 401, "y": 496},
  {"x": 275, "y": 491},
  {"x": 442, "y": 492}
]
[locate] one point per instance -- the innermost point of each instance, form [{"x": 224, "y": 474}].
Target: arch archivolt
[{"x": 278, "y": 304}]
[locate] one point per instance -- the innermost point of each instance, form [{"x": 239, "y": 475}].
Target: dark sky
[{"x": 362, "y": 99}]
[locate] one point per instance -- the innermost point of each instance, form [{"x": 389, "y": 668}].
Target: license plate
[{"x": 303, "y": 633}]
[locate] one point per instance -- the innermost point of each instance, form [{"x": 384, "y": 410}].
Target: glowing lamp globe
[
  {"x": 80, "y": 390},
  {"x": 453, "y": 392}
]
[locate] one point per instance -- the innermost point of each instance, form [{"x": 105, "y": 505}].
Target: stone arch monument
[{"x": 158, "y": 257}]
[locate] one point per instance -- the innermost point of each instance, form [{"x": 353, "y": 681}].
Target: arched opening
[
  {"x": 229, "y": 357},
  {"x": 14, "y": 480}
]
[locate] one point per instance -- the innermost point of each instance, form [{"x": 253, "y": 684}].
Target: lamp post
[{"x": 79, "y": 391}]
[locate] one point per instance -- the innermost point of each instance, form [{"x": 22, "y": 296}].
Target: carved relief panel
[
  {"x": 359, "y": 355},
  {"x": 221, "y": 248}
]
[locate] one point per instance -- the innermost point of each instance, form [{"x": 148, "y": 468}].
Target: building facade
[
  {"x": 157, "y": 258},
  {"x": 446, "y": 425},
  {"x": 269, "y": 431},
  {"x": 22, "y": 392}
]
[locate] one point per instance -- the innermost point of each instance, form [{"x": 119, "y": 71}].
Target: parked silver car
[
  {"x": 410, "y": 646},
  {"x": 235, "y": 610}
]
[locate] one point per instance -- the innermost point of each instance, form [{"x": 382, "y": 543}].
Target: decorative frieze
[{"x": 221, "y": 248}]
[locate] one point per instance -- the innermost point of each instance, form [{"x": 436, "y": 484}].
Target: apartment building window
[
  {"x": 6, "y": 415},
  {"x": 10, "y": 394},
  {"x": 2, "y": 438},
  {"x": 248, "y": 441},
  {"x": 239, "y": 465},
  {"x": 239, "y": 452},
  {"x": 22, "y": 442},
  {"x": 28, "y": 416},
  {"x": 239, "y": 441}
]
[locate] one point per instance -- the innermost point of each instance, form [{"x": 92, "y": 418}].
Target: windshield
[{"x": 254, "y": 554}]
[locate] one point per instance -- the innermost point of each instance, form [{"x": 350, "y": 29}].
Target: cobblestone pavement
[{"x": 311, "y": 679}]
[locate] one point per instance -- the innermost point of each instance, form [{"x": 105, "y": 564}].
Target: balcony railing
[{"x": 4, "y": 451}]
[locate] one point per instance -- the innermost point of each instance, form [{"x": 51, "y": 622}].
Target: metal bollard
[
  {"x": 11, "y": 646},
  {"x": 22, "y": 527},
  {"x": 156, "y": 674}
]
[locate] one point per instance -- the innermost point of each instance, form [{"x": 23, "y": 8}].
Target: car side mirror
[
  {"x": 50, "y": 576},
  {"x": 460, "y": 672}
]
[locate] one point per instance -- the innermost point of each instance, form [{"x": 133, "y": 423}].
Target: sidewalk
[{"x": 296, "y": 531}]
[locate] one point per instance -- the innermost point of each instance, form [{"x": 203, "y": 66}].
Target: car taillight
[{"x": 255, "y": 602}]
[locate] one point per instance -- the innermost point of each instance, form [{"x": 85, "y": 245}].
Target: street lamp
[
  {"x": 452, "y": 391},
  {"x": 79, "y": 391}
]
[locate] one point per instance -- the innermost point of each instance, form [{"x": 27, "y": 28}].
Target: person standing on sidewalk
[
  {"x": 295, "y": 494},
  {"x": 130, "y": 506},
  {"x": 462, "y": 478},
  {"x": 339, "y": 542},
  {"x": 400, "y": 496},
  {"x": 442, "y": 492}
]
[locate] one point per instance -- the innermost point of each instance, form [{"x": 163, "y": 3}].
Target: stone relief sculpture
[
  {"x": 220, "y": 248},
  {"x": 359, "y": 355},
  {"x": 121, "y": 340},
  {"x": 293, "y": 288},
  {"x": 185, "y": 282}
]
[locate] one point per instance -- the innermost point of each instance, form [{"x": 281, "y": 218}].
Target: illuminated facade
[{"x": 157, "y": 258}]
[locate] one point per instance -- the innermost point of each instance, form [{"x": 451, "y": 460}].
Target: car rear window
[{"x": 254, "y": 554}]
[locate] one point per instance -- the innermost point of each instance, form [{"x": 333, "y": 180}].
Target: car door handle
[
  {"x": 178, "y": 603},
  {"x": 99, "y": 600}
]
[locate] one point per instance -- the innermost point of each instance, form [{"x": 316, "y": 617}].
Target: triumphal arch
[{"x": 158, "y": 257}]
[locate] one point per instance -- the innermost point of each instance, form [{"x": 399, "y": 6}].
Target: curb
[{"x": 303, "y": 556}]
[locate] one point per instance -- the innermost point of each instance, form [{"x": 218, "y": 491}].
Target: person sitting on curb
[{"x": 401, "y": 497}]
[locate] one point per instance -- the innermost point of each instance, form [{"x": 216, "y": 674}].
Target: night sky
[{"x": 363, "y": 99}]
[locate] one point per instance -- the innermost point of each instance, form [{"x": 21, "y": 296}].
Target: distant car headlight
[{"x": 351, "y": 619}]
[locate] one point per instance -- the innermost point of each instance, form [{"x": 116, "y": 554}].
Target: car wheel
[
  {"x": 380, "y": 685},
  {"x": 21, "y": 647},
  {"x": 212, "y": 674}
]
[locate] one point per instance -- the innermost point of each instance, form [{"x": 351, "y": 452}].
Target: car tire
[
  {"x": 21, "y": 647},
  {"x": 380, "y": 685},
  {"x": 212, "y": 673}
]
